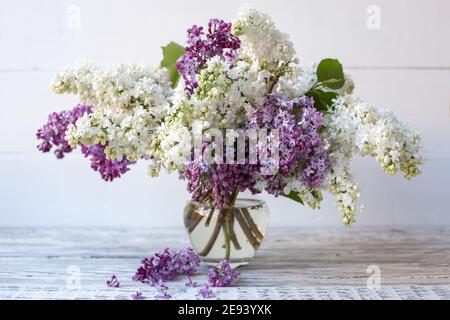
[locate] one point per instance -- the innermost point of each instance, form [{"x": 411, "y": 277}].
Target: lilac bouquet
[{"x": 232, "y": 111}]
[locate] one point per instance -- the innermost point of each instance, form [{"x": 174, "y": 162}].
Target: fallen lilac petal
[
  {"x": 113, "y": 282},
  {"x": 205, "y": 292},
  {"x": 190, "y": 283},
  {"x": 137, "y": 296},
  {"x": 162, "y": 290}
]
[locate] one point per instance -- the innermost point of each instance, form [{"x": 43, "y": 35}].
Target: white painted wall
[{"x": 404, "y": 66}]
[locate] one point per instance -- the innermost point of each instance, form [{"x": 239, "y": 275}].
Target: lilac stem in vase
[
  {"x": 232, "y": 232},
  {"x": 228, "y": 212},
  {"x": 226, "y": 236}
]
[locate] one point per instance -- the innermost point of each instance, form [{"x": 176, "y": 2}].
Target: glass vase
[{"x": 233, "y": 233}]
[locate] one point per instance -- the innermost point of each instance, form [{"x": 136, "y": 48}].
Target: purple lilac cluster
[
  {"x": 108, "y": 169},
  {"x": 166, "y": 265},
  {"x": 301, "y": 152},
  {"x": 222, "y": 275},
  {"x": 53, "y": 132},
  {"x": 219, "y": 180},
  {"x": 318, "y": 162},
  {"x": 52, "y": 135},
  {"x": 218, "y": 41}
]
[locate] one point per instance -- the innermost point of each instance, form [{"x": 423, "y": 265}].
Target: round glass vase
[{"x": 233, "y": 233}]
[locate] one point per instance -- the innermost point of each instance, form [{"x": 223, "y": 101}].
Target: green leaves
[
  {"x": 330, "y": 74},
  {"x": 171, "y": 53},
  {"x": 293, "y": 196},
  {"x": 322, "y": 99}
]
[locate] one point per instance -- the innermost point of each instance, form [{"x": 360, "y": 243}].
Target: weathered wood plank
[{"x": 292, "y": 263}]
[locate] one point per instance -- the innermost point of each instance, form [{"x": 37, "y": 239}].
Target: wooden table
[{"x": 293, "y": 263}]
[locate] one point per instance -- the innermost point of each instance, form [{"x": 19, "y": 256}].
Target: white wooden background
[{"x": 404, "y": 66}]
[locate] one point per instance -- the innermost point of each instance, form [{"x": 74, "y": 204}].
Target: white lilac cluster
[
  {"x": 262, "y": 42},
  {"x": 297, "y": 81},
  {"x": 130, "y": 103},
  {"x": 377, "y": 133},
  {"x": 224, "y": 98},
  {"x": 77, "y": 80},
  {"x": 120, "y": 88},
  {"x": 355, "y": 127},
  {"x": 309, "y": 196},
  {"x": 125, "y": 134},
  {"x": 220, "y": 100},
  {"x": 339, "y": 180}
]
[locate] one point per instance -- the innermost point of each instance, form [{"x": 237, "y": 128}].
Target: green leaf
[
  {"x": 322, "y": 99},
  {"x": 331, "y": 83},
  {"x": 327, "y": 97},
  {"x": 330, "y": 73},
  {"x": 171, "y": 53},
  {"x": 318, "y": 104},
  {"x": 318, "y": 195},
  {"x": 294, "y": 196}
]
